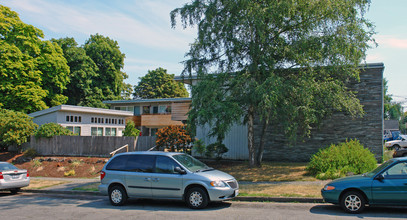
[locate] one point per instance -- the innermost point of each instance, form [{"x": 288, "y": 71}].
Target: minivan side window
[
  {"x": 118, "y": 163},
  {"x": 140, "y": 163},
  {"x": 165, "y": 165}
]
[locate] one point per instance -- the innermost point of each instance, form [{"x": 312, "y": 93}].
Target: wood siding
[
  {"x": 179, "y": 111},
  {"x": 158, "y": 121}
]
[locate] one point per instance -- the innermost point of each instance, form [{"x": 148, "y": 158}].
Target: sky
[{"x": 143, "y": 31}]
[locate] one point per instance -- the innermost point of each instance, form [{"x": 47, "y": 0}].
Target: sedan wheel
[
  {"x": 197, "y": 198},
  {"x": 353, "y": 202},
  {"x": 117, "y": 196}
]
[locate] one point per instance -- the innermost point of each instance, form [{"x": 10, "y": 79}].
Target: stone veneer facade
[{"x": 368, "y": 129}]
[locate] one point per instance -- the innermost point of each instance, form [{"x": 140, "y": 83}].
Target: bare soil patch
[{"x": 44, "y": 166}]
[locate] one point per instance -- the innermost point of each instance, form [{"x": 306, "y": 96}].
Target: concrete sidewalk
[{"x": 73, "y": 183}]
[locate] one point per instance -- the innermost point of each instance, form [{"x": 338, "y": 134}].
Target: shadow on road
[
  {"x": 377, "y": 212},
  {"x": 153, "y": 205}
]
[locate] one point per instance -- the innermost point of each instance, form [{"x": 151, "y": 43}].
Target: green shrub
[
  {"x": 199, "y": 147},
  {"x": 30, "y": 152},
  {"x": 52, "y": 129},
  {"x": 338, "y": 160},
  {"x": 15, "y": 128},
  {"x": 130, "y": 130},
  {"x": 216, "y": 148}
]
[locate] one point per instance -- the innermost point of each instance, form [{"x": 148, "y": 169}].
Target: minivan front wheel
[
  {"x": 197, "y": 198},
  {"x": 117, "y": 195},
  {"x": 353, "y": 202}
]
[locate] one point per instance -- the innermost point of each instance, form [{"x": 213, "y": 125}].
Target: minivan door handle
[{"x": 147, "y": 179}]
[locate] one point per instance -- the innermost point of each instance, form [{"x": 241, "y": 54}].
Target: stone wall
[{"x": 368, "y": 129}]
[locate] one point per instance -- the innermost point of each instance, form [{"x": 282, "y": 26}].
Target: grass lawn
[
  {"x": 93, "y": 187},
  {"x": 269, "y": 171},
  {"x": 41, "y": 184},
  {"x": 281, "y": 190}
]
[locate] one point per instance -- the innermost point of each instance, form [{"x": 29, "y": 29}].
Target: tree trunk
[
  {"x": 250, "y": 137},
  {"x": 260, "y": 151}
]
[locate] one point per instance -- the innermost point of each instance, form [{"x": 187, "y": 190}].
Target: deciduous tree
[
  {"x": 281, "y": 62},
  {"x": 33, "y": 72},
  {"x": 158, "y": 84}
]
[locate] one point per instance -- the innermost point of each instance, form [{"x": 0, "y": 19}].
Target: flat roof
[
  {"x": 81, "y": 109},
  {"x": 194, "y": 76},
  {"x": 147, "y": 100}
]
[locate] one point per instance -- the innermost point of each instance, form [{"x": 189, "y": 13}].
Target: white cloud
[
  {"x": 389, "y": 41},
  {"x": 147, "y": 25}
]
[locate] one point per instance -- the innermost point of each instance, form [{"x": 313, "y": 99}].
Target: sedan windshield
[
  {"x": 378, "y": 169},
  {"x": 7, "y": 166},
  {"x": 191, "y": 163}
]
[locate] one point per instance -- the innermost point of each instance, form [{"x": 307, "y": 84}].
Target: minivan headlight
[{"x": 218, "y": 183}]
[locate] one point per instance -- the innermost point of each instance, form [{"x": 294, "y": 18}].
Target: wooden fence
[{"x": 87, "y": 145}]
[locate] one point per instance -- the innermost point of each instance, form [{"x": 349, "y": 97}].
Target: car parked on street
[
  {"x": 164, "y": 175},
  {"x": 12, "y": 178},
  {"x": 385, "y": 185},
  {"x": 401, "y": 142},
  {"x": 402, "y": 152}
]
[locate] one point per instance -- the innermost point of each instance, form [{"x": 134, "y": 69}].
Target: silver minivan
[{"x": 164, "y": 175}]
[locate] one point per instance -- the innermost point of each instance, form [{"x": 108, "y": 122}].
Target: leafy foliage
[
  {"x": 95, "y": 71},
  {"x": 30, "y": 152},
  {"x": 174, "y": 138},
  {"x": 52, "y": 129},
  {"x": 109, "y": 60},
  {"x": 199, "y": 147},
  {"x": 338, "y": 160},
  {"x": 130, "y": 130},
  {"x": 15, "y": 127},
  {"x": 216, "y": 149},
  {"x": 280, "y": 62},
  {"x": 33, "y": 72},
  {"x": 159, "y": 84}
]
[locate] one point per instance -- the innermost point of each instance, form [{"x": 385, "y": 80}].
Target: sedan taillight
[
  {"x": 28, "y": 175},
  {"x": 1, "y": 176},
  {"x": 102, "y": 175}
]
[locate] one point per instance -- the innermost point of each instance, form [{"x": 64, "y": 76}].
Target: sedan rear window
[{"x": 7, "y": 166}]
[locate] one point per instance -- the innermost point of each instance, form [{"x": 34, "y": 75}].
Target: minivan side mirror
[{"x": 179, "y": 170}]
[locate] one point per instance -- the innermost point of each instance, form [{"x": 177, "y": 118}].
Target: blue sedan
[{"x": 385, "y": 185}]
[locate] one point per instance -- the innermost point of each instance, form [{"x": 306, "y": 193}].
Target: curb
[
  {"x": 278, "y": 199},
  {"x": 71, "y": 192},
  {"x": 242, "y": 198}
]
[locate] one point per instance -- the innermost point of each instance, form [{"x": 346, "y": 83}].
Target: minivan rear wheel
[
  {"x": 197, "y": 198},
  {"x": 117, "y": 195}
]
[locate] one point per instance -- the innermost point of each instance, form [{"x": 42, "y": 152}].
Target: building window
[
  {"x": 136, "y": 110},
  {"x": 92, "y": 120},
  {"x": 96, "y": 131},
  {"x": 110, "y": 132},
  {"x": 80, "y": 119},
  {"x": 67, "y": 118},
  {"x": 77, "y": 130},
  {"x": 146, "y": 109},
  {"x": 116, "y": 108},
  {"x": 76, "y": 118},
  {"x": 71, "y": 118},
  {"x": 98, "y": 120}
]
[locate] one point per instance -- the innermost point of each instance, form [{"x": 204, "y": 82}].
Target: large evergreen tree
[{"x": 283, "y": 62}]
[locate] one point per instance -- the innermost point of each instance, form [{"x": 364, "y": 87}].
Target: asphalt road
[{"x": 51, "y": 206}]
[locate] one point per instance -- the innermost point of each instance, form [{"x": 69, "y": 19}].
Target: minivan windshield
[{"x": 191, "y": 163}]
